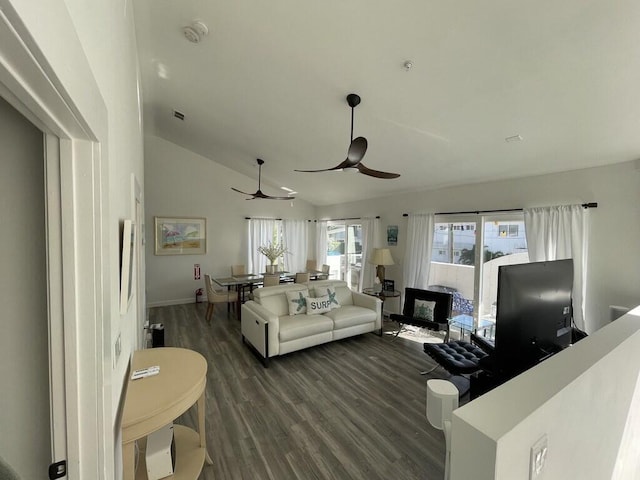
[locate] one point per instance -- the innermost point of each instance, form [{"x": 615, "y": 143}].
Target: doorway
[{"x": 26, "y": 443}]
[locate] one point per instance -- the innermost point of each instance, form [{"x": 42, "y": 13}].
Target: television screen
[{"x": 534, "y": 311}]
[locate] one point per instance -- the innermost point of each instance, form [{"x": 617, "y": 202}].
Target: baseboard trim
[{"x": 166, "y": 303}]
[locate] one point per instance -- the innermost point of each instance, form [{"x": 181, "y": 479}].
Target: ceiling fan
[
  {"x": 357, "y": 149},
  {"x": 259, "y": 193}
]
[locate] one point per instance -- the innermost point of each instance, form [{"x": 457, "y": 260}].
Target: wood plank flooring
[{"x": 351, "y": 409}]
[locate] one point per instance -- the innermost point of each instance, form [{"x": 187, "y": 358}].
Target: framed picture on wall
[
  {"x": 392, "y": 235},
  {"x": 126, "y": 265},
  {"x": 180, "y": 236}
]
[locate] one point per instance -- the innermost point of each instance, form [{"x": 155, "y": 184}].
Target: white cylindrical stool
[{"x": 442, "y": 399}]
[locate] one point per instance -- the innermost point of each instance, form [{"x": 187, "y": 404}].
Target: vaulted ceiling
[{"x": 270, "y": 79}]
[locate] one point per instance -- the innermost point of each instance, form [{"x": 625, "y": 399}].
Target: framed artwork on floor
[{"x": 180, "y": 236}]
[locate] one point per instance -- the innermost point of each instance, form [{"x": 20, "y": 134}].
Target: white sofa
[{"x": 270, "y": 330}]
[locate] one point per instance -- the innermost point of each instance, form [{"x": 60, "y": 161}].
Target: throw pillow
[
  {"x": 297, "y": 302},
  {"x": 424, "y": 310},
  {"x": 331, "y": 293},
  {"x": 318, "y": 305}
]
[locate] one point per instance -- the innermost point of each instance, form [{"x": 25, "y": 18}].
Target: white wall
[
  {"x": 24, "y": 361},
  {"x": 89, "y": 51},
  {"x": 613, "y": 273},
  {"x": 180, "y": 183},
  {"x": 585, "y": 399}
]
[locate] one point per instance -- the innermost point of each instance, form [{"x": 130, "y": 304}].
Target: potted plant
[{"x": 273, "y": 251}]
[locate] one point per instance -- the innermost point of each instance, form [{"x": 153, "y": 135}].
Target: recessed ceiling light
[{"x": 513, "y": 138}]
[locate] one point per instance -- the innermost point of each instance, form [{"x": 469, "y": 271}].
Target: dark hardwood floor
[{"x": 351, "y": 409}]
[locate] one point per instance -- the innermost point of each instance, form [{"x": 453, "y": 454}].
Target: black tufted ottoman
[{"x": 458, "y": 357}]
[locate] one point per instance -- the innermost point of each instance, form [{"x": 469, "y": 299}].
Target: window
[
  {"x": 471, "y": 278},
  {"x": 344, "y": 252}
]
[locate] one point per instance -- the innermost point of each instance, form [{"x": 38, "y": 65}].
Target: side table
[
  {"x": 382, "y": 295},
  {"x": 152, "y": 402}
]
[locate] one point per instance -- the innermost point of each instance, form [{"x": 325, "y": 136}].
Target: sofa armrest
[
  {"x": 253, "y": 312},
  {"x": 370, "y": 302}
]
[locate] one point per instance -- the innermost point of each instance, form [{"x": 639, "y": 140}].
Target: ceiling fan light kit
[
  {"x": 258, "y": 193},
  {"x": 357, "y": 149}
]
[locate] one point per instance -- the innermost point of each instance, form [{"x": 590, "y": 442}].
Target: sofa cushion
[
  {"x": 330, "y": 292},
  {"x": 350, "y": 315},
  {"x": 297, "y": 301},
  {"x": 293, "y": 327},
  {"x": 318, "y": 305},
  {"x": 343, "y": 293},
  {"x": 274, "y": 298},
  {"x": 424, "y": 309}
]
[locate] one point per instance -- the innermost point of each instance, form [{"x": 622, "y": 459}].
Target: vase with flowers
[{"x": 273, "y": 251}]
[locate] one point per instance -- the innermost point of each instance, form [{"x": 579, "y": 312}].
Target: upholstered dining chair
[
  {"x": 237, "y": 270},
  {"x": 312, "y": 265},
  {"x": 219, "y": 296},
  {"x": 302, "y": 277},
  {"x": 325, "y": 272},
  {"x": 270, "y": 280}
]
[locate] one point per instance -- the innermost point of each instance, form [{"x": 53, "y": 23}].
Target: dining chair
[
  {"x": 270, "y": 280},
  {"x": 302, "y": 277},
  {"x": 237, "y": 270},
  {"x": 312, "y": 265},
  {"x": 325, "y": 272},
  {"x": 219, "y": 296}
]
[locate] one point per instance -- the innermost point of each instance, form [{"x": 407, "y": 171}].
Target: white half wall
[
  {"x": 613, "y": 274},
  {"x": 180, "y": 183},
  {"x": 585, "y": 399}
]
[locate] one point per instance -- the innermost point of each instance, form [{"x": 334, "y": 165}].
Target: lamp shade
[{"x": 381, "y": 256}]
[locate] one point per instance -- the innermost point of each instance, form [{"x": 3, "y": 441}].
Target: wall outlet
[{"x": 538, "y": 459}]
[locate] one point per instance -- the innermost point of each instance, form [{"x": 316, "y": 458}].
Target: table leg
[
  {"x": 201, "y": 428},
  {"x": 128, "y": 461}
]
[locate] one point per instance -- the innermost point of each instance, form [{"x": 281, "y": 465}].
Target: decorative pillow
[
  {"x": 318, "y": 305},
  {"x": 297, "y": 302},
  {"x": 331, "y": 293},
  {"x": 424, "y": 310}
]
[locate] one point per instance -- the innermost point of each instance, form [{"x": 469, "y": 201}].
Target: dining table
[{"x": 252, "y": 280}]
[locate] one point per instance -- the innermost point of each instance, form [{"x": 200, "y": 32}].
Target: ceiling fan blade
[
  {"x": 338, "y": 167},
  {"x": 376, "y": 173},
  {"x": 357, "y": 149},
  {"x": 240, "y": 191},
  {"x": 264, "y": 196}
]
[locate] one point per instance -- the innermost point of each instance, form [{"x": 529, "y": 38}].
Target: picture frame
[
  {"x": 128, "y": 239},
  {"x": 388, "y": 285},
  {"x": 392, "y": 235},
  {"x": 180, "y": 236}
]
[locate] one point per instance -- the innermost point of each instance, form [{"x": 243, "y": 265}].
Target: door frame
[{"x": 34, "y": 80}]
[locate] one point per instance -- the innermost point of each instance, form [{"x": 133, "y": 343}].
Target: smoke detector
[{"x": 196, "y": 31}]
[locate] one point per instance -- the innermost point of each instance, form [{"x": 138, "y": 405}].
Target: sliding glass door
[
  {"x": 457, "y": 268},
  {"x": 344, "y": 251}
]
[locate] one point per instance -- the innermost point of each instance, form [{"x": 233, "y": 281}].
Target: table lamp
[{"x": 381, "y": 257}]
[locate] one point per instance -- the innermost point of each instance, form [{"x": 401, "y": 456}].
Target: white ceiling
[{"x": 270, "y": 82}]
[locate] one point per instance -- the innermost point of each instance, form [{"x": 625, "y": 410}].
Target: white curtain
[
  {"x": 260, "y": 233},
  {"x": 369, "y": 236},
  {"x": 417, "y": 258},
  {"x": 321, "y": 242},
  {"x": 557, "y": 233},
  {"x": 294, "y": 235}
]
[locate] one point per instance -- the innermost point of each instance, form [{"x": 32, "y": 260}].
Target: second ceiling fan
[{"x": 357, "y": 149}]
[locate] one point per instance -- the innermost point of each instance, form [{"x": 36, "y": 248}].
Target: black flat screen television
[{"x": 534, "y": 311}]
